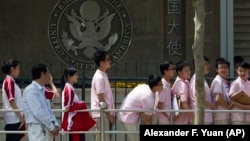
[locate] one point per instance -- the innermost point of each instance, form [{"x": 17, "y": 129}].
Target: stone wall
[{"x": 24, "y": 27}]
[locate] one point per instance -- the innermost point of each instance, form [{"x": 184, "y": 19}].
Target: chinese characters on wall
[{"x": 174, "y": 35}]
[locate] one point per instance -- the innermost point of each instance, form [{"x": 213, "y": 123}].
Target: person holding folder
[
  {"x": 71, "y": 119},
  {"x": 240, "y": 86},
  {"x": 181, "y": 90}
]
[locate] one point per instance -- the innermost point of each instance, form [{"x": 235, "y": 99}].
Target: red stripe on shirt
[
  {"x": 9, "y": 87},
  {"x": 68, "y": 96}
]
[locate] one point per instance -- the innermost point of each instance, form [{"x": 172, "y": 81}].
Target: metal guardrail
[
  {"x": 103, "y": 110},
  {"x": 85, "y": 83}
]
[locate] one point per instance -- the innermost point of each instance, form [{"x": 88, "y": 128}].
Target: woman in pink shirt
[{"x": 240, "y": 84}]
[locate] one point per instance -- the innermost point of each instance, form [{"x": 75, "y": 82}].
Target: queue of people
[{"x": 158, "y": 93}]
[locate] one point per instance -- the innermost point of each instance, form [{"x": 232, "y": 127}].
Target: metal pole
[
  {"x": 83, "y": 85},
  {"x": 102, "y": 107}
]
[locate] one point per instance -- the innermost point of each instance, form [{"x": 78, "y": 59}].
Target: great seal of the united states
[{"x": 78, "y": 28}]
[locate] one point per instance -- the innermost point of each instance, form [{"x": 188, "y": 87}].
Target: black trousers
[
  {"x": 82, "y": 137},
  {"x": 12, "y": 127}
]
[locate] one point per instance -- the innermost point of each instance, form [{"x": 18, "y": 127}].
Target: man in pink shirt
[
  {"x": 163, "y": 98},
  {"x": 181, "y": 90},
  {"x": 101, "y": 92},
  {"x": 209, "y": 105},
  {"x": 140, "y": 98},
  {"x": 240, "y": 84},
  {"x": 220, "y": 91}
]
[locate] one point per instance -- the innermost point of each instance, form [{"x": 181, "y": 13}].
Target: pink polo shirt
[
  {"x": 219, "y": 85},
  {"x": 164, "y": 96},
  {"x": 181, "y": 89},
  {"x": 236, "y": 86},
  {"x": 208, "y": 117},
  {"x": 100, "y": 84},
  {"x": 140, "y": 98}
]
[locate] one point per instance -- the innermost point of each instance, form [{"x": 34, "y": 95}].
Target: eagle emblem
[{"x": 89, "y": 29}]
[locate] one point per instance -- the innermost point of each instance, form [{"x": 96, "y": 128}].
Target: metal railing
[
  {"x": 103, "y": 110},
  {"x": 85, "y": 83}
]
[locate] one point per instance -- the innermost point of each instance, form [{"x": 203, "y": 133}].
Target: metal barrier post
[
  {"x": 83, "y": 85},
  {"x": 102, "y": 106},
  {"x": 171, "y": 118}
]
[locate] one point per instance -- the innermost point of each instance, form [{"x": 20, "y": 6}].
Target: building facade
[{"x": 160, "y": 30}]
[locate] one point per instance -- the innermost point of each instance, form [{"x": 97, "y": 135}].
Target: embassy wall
[{"x": 160, "y": 29}]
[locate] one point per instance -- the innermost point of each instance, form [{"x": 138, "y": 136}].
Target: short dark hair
[
  {"x": 165, "y": 66},
  {"x": 221, "y": 61},
  {"x": 181, "y": 64},
  {"x": 99, "y": 56},
  {"x": 153, "y": 80},
  {"x": 205, "y": 58},
  {"x": 244, "y": 65},
  {"x": 237, "y": 60},
  {"x": 37, "y": 69},
  {"x": 8, "y": 64}
]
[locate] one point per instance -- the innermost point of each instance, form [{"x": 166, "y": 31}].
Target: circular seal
[{"x": 78, "y": 28}]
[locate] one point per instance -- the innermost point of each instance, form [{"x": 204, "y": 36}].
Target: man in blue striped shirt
[{"x": 41, "y": 122}]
